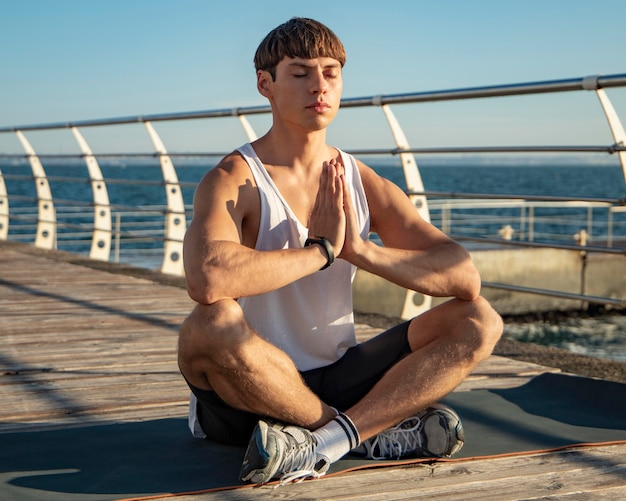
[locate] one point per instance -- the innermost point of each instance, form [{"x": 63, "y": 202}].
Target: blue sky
[{"x": 65, "y": 60}]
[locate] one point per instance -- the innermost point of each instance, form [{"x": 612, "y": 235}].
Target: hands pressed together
[{"x": 333, "y": 215}]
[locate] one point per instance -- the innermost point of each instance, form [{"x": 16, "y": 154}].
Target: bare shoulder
[
  {"x": 230, "y": 179},
  {"x": 232, "y": 169},
  {"x": 226, "y": 203}
]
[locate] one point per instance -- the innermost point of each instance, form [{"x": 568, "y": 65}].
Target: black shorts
[{"x": 340, "y": 385}]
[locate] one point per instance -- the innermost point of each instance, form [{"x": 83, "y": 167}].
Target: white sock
[{"x": 336, "y": 438}]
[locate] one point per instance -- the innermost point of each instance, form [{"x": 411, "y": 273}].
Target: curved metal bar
[
  {"x": 4, "y": 209},
  {"x": 250, "y": 133},
  {"x": 414, "y": 302},
  {"x": 46, "y": 237},
  {"x": 409, "y": 165},
  {"x": 101, "y": 237},
  {"x": 175, "y": 219},
  {"x": 617, "y": 129}
]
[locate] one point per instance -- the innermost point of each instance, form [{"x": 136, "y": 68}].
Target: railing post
[
  {"x": 609, "y": 228},
  {"x": 248, "y": 129},
  {"x": 175, "y": 221},
  {"x": 617, "y": 129},
  {"x": 46, "y": 237},
  {"x": 446, "y": 218},
  {"x": 101, "y": 237},
  {"x": 118, "y": 234},
  {"x": 409, "y": 165},
  {"x": 414, "y": 302},
  {"x": 4, "y": 209}
]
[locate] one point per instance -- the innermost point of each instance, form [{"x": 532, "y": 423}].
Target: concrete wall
[{"x": 569, "y": 271}]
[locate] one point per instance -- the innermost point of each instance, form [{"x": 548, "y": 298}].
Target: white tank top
[{"x": 310, "y": 319}]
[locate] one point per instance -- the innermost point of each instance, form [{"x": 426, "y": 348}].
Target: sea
[
  {"x": 555, "y": 178},
  {"x": 601, "y": 336}
]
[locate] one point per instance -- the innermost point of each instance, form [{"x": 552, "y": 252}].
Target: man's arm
[
  {"x": 219, "y": 256},
  {"x": 416, "y": 255}
]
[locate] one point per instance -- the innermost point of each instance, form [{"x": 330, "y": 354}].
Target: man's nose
[{"x": 319, "y": 83}]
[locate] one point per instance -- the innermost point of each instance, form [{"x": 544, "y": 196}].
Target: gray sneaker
[
  {"x": 281, "y": 451},
  {"x": 435, "y": 432}
]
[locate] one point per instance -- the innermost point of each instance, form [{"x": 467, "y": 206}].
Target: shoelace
[
  {"x": 396, "y": 441},
  {"x": 299, "y": 462},
  {"x": 297, "y": 476}
]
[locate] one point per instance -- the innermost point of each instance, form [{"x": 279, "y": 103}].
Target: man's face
[{"x": 306, "y": 92}]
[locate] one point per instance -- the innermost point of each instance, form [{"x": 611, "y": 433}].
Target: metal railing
[
  {"x": 595, "y": 219},
  {"x": 149, "y": 218}
]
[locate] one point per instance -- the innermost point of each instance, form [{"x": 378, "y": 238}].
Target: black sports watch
[{"x": 330, "y": 255}]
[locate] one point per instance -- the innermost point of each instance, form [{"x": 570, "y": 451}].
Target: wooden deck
[{"x": 78, "y": 342}]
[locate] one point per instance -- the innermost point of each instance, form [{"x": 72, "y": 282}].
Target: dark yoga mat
[{"x": 141, "y": 459}]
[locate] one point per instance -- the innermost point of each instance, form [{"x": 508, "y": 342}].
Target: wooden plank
[
  {"x": 595, "y": 471},
  {"x": 147, "y": 412},
  {"x": 121, "y": 338}
]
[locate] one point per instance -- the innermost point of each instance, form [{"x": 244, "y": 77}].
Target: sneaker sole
[
  {"x": 261, "y": 449},
  {"x": 445, "y": 430}
]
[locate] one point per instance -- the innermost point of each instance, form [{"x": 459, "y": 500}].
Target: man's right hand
[{"x": 327, "y": 218}]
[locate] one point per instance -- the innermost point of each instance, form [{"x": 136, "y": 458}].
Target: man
[{"x": 279, "y": 228}]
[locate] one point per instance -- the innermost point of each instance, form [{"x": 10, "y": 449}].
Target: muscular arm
[
  {"x": 415, "y": 255},
  {"x": 219, "y": 256}
]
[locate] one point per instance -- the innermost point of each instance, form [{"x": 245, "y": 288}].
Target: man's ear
[{"x": 263, "y": 80}]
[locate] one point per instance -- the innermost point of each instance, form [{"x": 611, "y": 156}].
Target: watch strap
[{"x": 330, "y": 254}]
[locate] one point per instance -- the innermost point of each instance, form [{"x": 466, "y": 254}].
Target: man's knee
[
  {"x": 209, "y": 321},
  {"x": 486, "y": 328},
  {"x": 210, "y": 334},
  {"x": 470, "y": 329}
]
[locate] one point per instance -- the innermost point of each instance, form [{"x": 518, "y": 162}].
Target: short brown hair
[{"x": 298, "y": 37}]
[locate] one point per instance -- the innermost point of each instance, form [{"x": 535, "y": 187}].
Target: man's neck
[{"x": 288, "y": 148}]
